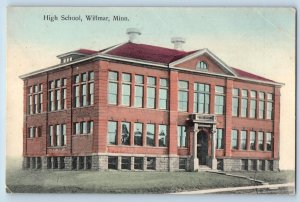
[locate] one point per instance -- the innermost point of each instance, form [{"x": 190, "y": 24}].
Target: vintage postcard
[{"x": 150, "y": 100}]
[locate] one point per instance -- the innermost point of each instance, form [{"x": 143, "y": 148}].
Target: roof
[
  {"x": 148, "y": 53},
  {"x": 79, "y": 51},
  {"x": 86, "y": 51},
  {"x": 247, "y": 75}
]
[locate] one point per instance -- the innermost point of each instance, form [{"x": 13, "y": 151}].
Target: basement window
[
  {"x": 244, "y": 164},
  {"x": 88, "y": 162},
  {"x": 138, "y": 163},
  {"x": 113, "y": 162},
  {"x": 125, "y": 163},
  {"x": 150, "y": 163},
  {"x": 182, "y": 163}
]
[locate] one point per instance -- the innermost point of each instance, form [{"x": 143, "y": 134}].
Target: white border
[{"x": 96, "y": 197}]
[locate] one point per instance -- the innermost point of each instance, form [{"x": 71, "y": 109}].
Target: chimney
[
  {"x": 178, "y": 42},
  {"x": 133, "y": 34}
]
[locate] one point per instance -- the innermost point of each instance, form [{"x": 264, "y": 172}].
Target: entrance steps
[{"x": 202, "y": 168}]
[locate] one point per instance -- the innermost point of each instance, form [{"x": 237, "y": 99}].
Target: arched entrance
[{"x": 202, "y": 146}]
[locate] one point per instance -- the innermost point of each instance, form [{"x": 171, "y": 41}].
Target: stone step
[{"x": 204, "y": 168}]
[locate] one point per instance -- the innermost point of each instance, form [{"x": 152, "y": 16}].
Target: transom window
[{"x": 201, "y": 65}]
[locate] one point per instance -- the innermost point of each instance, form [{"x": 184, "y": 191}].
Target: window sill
[
  {"x": 85, "y": 134},
  {"x": 133, "y": 107},
  {"x": 57, "y": 147},
  {"x": 32, "y": 138},
  {"x": 239, "y": 150},
  {"x": 87, "y": 106},
  {"x": 239, "y": 117}
]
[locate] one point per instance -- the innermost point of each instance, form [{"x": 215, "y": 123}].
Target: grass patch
[
  {"x": 26, "y": 181},
  {"x": 281, "y": 177}
]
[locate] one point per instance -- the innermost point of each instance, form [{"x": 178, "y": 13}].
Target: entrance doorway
[{"x": 202, "y": 147}]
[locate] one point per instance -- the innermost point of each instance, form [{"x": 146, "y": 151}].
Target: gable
[{"x": 212, "y": 65}]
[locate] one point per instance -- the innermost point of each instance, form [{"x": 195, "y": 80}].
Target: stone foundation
[{"x": 143, "y": 163}]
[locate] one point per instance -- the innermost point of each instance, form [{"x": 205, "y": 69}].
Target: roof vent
[
  {"x": 178, "y": 42},
  {"x": 133, "y": 34}
]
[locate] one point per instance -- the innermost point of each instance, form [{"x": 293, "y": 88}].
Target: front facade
[{"x": 142, "y": 107}]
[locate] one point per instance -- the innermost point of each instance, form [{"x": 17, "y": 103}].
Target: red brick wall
[{"x": 100, "y": 113}]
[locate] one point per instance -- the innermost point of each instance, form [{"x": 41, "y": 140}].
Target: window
[
  {"x": 113, "y": 162},
  {"x": 182, "y": 163},
  {"x": 126, "y": 89},
  {"x": 35, "y": 99},
  {"x": 125, "y": 162},
  {"x": 88, "y": 160},
  {"x": 270, "y": 106},
  {"x": 219, "y": 100},
  {"x": 260, "y": 141},
  {"x": 57, "y": 135},
  {"x": 162, "y": 139},
  {"x": 31, "y": 132},
  {"x": 270, "y": 165},
  {"x": 252, "y": 140},
  {"x": 220, "y": 143},
  {"x": 151, "y": 84},
  {"x": 201, "y": 98},
  {"x": 182, "y": 96},
  {"x": 244, "y": 164},
  {"x": 181, "y": 135},
  {"x": 91, "y": 88},
  {"x": 113, "y": 88},
  {"x": 125, "y": 138},
  {"x": 244, "y": 109},
  {"x": 138, "y": 134},
  {"x": 201, "y": 65},
  {"x": 220, "y": 164},
  {"x": 261, "y": 111},
  {"x": 150, "y": 134},
  {"x": 80, "y": 162},
  {"x": 150, "y": 163},
  {"x": 235, "y": 102},
  {"x": 163, "y": 94},
  {"x": 112, "y": 132},
  {"x": 253, "y": 104},
  {"x": 84, "y": 89},
  {"x": 83, "y": 128},
  {"x": 234, "y": 139},
  {"x": 138, "y": 163},
  {"x": 139, "y": 91},
  {"x": 243, "y": 140},
  {"x": 51, "y": 136},
  {"x": 260, "y": 165},
  {"x": 269, "y": 141},
  {"x": 254, "y": 164}
]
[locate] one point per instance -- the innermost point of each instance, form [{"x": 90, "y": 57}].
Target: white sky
[{"x": 261, "y": 41}]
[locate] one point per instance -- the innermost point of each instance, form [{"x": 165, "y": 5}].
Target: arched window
[{"x": 201, "y": 65}]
